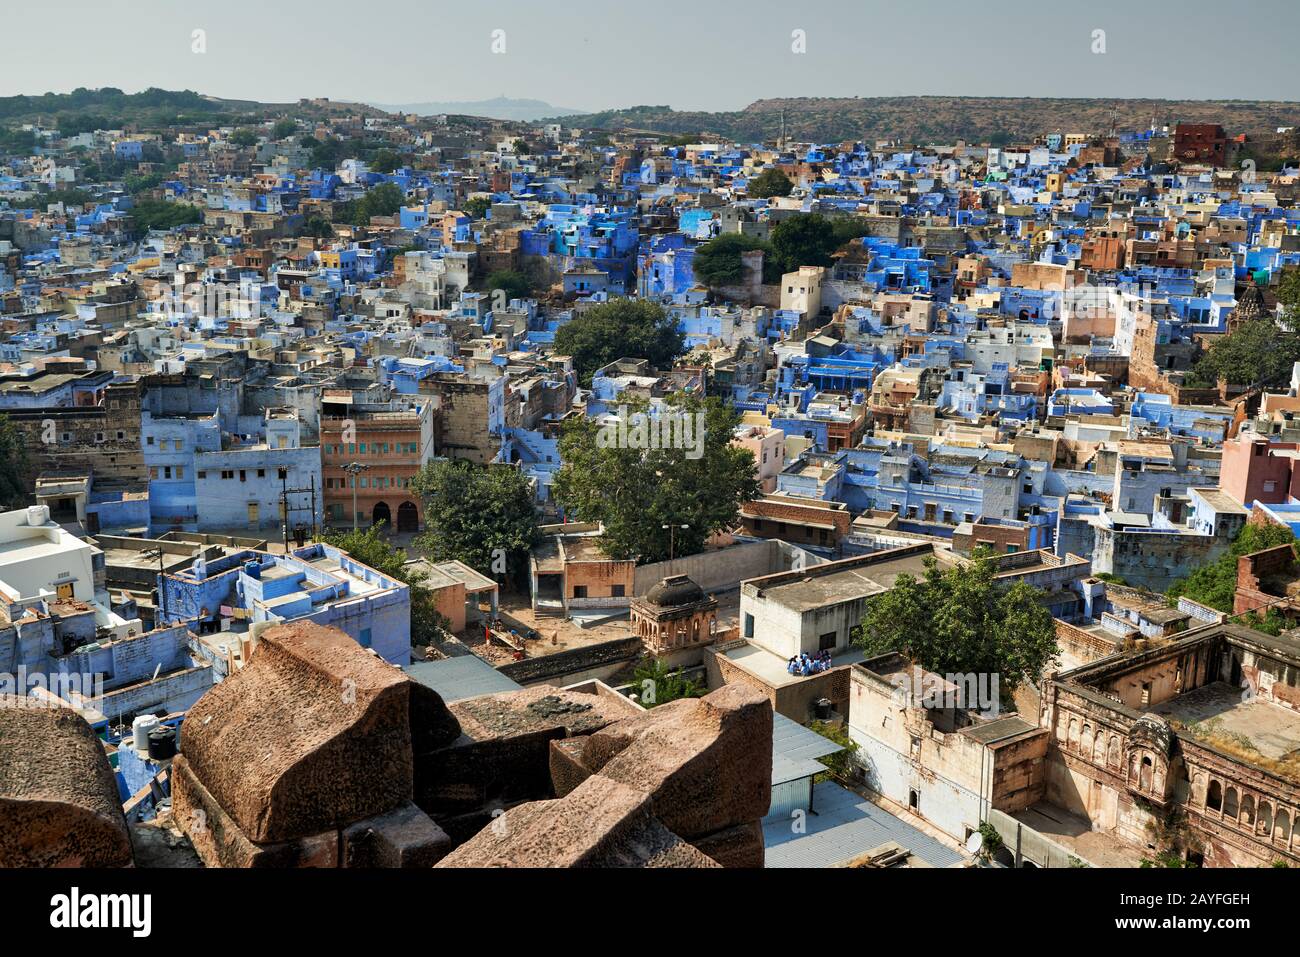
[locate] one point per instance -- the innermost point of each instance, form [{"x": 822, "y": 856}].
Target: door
[{"x": 253, "y": 514}]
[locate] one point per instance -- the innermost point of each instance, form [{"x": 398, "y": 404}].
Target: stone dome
[{"x": 675, "y": 591}]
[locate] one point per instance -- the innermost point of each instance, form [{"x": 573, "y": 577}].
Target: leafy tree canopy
[
  {"x": 1261, "y": 351},
  {"x": 656, "y": 683},
  {"x": 619, "y": 329},
  {"x": 477, "y": 515},
  {"x": 1215, "y": 583},
  {"x": 156, "y": 214},
  {"x": 635, "y": 492},
  {"x": 718, "y": 262},
  {"x": 476, "y": 206},
  {"x": 512, "y": 282},
  {"x": 770, "y": 182},
  {"x": 963, "y": 621}
]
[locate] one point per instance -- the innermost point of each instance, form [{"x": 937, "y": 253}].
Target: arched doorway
[
  {"x": 408, "y": 517},
  {"x": 382, "y": 513}
]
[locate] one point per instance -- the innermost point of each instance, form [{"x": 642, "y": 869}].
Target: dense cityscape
[{"x": 394, "y": 487}]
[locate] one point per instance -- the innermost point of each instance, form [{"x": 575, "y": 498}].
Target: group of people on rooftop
[{"x": 804, "y": 664}]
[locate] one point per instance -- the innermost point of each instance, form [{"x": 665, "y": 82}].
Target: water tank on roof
[
  {"x": 253, "y": 569},
  {"x": 38, "y": 514},
  {"x": 140, "y": 729},
  {"x": 162, "y": 743}
]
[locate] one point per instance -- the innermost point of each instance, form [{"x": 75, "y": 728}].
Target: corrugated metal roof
[
  {"x": 456, "y": 679},
  {"x": 844, "y": 826},
  {"x": 795, "y": 750}
]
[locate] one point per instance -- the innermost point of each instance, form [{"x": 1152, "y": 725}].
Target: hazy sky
[{"x": 691, "y": 54}]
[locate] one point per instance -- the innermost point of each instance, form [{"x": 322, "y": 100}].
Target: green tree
[
  {"x": 283, "y": 128},
  {"x": 244, "y": 137},
  {"x": 157, "y": 214},
  {"x": 512, "y": 282},
  {"x": 805, "y": 239},
  {"x": 68, "y": 197},
  {"x": 1261, "y": 352},
  {"x": 369, "y": 546},
  {"x": 15, "y": 472},
  {"x": 771, "y": 182},
  {"x": 317, "y": 227},
  {"x": 385, "y": 161},
  {"x": 963, "y": 621},
  {"x": 718, "y": 262},
  {"x": 619, "y": 329},
  {"x": 634, "y": 492},
  {"x": 657, "y": 684},
  {"x": 480, "y": 515},
  {"x": 1215, "y": 583},
  {"x": 841, "y": 764},
  {"x": 386, "y": 199},
  {"x": 1258, "y": 353},
  {"x": 476, "y": 207}
]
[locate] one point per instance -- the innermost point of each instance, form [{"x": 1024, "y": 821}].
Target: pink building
[
  {"x": 768, "y": 446},
  {"x": 1256, "y": 470}
]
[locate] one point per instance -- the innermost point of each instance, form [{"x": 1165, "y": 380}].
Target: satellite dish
[{"x": 975, "y": 842}]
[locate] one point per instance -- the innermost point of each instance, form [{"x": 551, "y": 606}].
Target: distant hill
[
  {"x": 500, "y": 108},
  {"x": 942, "y": 119},
  {"x": 110, "y": 108}
]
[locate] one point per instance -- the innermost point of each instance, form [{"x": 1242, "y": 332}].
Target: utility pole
[
  {"x": 286, "y": 510},
  {"x": 355, "y": 469},
  {"x": 672, "y": 536},
  {"x": 162, "y": 585}
]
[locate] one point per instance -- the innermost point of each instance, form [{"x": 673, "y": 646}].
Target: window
[
  {"x": 227, "y": 473},
  {"x": 749, "y": 625},
  {"x": 243, "y": 475},
  {"x": 579, "y": 591},
  {"x": 261, "y": 473},
  {"x": 616, "y": 591},
  {"x": 827, "y": 641},
  {"x": 202, "y": 474},
  {"x": 180, "y": 471}
]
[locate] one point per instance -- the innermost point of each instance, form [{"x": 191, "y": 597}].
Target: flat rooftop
[
  {"x": 1218, "y": 710},
  {"x": 842, "y": 826},
  {"x": 846, "y": 584},
  {"x": 1076, "y": 835}
]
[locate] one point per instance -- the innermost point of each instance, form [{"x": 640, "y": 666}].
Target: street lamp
[
  {"x": 354, "y": 469},
  {"x": 672, "y": 534}
]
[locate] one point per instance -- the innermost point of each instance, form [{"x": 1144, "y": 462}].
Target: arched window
[
  {"x": 1248, "y": 809},
  {"x": 1214, "y": 799},
  {"x": 1230, "y": 805},
  {"x": 1283, "y": 829},
  {"x": 1113, "y": 754},
  {"x": 1265, "y": 825},
  {"x": 1148, "y": 769}
]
